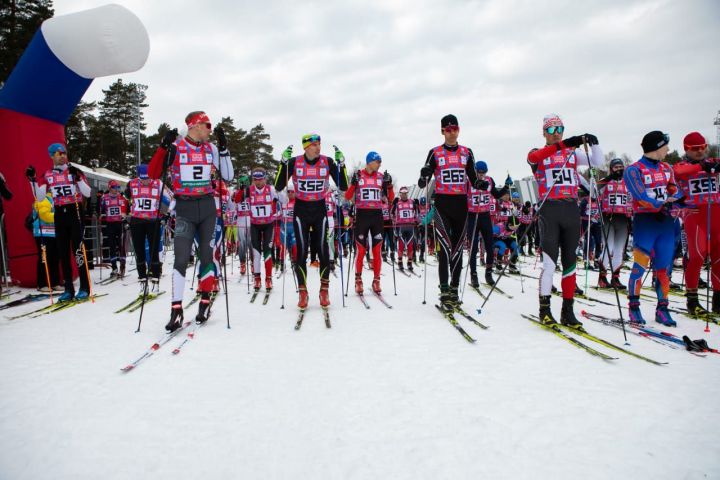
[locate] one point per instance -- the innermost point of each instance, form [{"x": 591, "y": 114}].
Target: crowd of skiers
[{"x": 312, "y": 208}]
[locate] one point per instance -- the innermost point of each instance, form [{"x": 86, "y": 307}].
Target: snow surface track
[{"x": 383, "y": 394}]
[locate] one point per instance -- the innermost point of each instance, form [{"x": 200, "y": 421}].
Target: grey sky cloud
[{"x": 380, "y": 75}]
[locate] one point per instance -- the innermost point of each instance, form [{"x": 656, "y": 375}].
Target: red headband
[{"x": 198, "y": 119}]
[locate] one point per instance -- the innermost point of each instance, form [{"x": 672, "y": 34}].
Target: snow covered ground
[{"x": 383, "y": 394}]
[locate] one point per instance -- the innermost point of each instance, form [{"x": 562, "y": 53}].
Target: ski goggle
[
  {"x": 451, "y": 128},
  {"x": 695, "y": 148},
  {"x": 258, "y": 175},
  {"x": 559, "y": 129}
]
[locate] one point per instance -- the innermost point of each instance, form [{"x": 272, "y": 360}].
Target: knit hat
[
  {"x": 449, "y": 121},
  {"x": 56, "y": 147},
  {"x": 552, "y": 120},
  {"x": 403, "y": 190},
  {"x": 616, "y": 161},
  {"x": 142, "y": 171},
  {"x": 310, "y": 138},
  {"x": 373, "y": 157},
  {"x": 481, "y": 166},
  {"x": 654, "y": 140},
  {"x": 694, "y": 139}
]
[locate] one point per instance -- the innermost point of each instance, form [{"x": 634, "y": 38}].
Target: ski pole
[
  {"x": 517, "y": 257},
  {"x": 285, "y": 235},
  {"x": 472, "y": 246},
  {"x": 43, "y": 250},
  {"x": 427, "y": 249},
  {"x": 342, "y": 277},
  {"x": 82, "y": 245},
  {"x": 707, "y": 250}
]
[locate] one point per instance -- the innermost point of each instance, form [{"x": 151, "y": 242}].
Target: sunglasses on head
[
  {"x": 555, "y": 129},
  {"x": 451, "y": 128},
  {"x": 695, "y": 148},
  {"x": 311, "y": 139}
]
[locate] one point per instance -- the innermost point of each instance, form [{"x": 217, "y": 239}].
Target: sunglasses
[
  {"x": 552, "y": 130},
  {"x": 695, "y": 148},
  {"x": 311, "y": 139},
  {"x": 451, "y": 128}
]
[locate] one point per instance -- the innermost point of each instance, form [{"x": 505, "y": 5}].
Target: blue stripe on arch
[{"x": 42, "y": 86}]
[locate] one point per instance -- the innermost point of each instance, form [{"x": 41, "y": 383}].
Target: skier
[
  {"x": 453, "y": 165},
  {"x": 310, "y": 173},
  {"x": 243, "y": 222},
  {"x": 144, "y": 194},
  {"x": 405, "y": 213},
  {"x": 287, "y": 233},
  {"x": 263, "y": 206},
  {"x": 555, "y": 169},
  {"x": 366, "y": 190},
  {"x": 651, "y": 183},
  {"x": 527, "y": 228},
  {"x": 696, "y": 176},
  {"x": 44, "y": 233},
  {"x": 67, "y": 185},
  {"x": 114, "y": 208},
  {"x": 480, "y": 201},
  {"x": 190, "y": 161},
  {"x": 614, "y": 201},
  {"x": 590, "y": 216}
]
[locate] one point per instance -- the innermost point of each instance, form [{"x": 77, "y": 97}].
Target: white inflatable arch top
[{"x": 98, "y": 42}]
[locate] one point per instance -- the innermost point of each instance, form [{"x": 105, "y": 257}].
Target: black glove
[
  {"x": 591, "y": 139},
  {"x": 221, "y": 138},
  {"x": 169, "y": 138},
  {"x": 387, "y": 179},
  {"x": 422, "y": 182},
  {"x": 573, "y": 142},
  {"x": 426, "y": 172},
  {"x": 30, "y": 173},
  {"x": 710, "y": 166},
  {"x": 482, "y": 184},
  {"x": 75, "y": 172}
]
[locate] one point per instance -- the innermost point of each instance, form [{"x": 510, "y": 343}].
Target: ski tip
[
  {"x": 126, "y": 369},
  {"x": 479, "y": 311}
]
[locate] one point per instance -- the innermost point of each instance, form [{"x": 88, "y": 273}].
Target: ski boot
[
  {"x": 376, "y": 285},
  {"x": 662, "y": 315},
  {"x": 243, "y": 268},
  {"x": 454, "y": 296},
  {"x": 579, "y": 291},
  {"x": 445, "y": 298},
  {"x": 358, "y": 284},
  {"x": 421, "y": 258},
  {"x": 203, "y": 309},
  {"x": 303, "y": 297},
  {"x": 176, "y": 317},
  {"x": 602, "y": 280},
  {"x": 693, "y": 305},
  {"x": 400, "y": 265},
  {"x": 324, "y": 294},
  {"x": 634, "y": 309},
  {"x": 82, "y": 295},
  {"x": 154, "y": 284},
  {"x": 142, "y": 284},
  {"x": 66, "y": 296},
  {"x": 122, "y": 270},
  {"x": 567, "y": 315},
  {"x": 716, "y": 302},
  {"x": 615, "y": 282},
  {"x": 268, "y": 283},
  {"x": 257, "y": 282},
  {"x": 702, "y": 284},
  {"x": 512, "y": 268},
  {"x": 474, "y": 280},
  {"x": 488, "y": 276},
  {"x": 545, "y": 314},
  {"x": 409, "y": 265},
  {"x": 113, "y": 272}
]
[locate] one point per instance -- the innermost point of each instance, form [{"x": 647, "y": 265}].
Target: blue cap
[
  {"x": 373, "y": 157},
  {"x": 56, "y": 147},
  {"x": 142, "y": 171},
  {"x": 423, "y": 200},
  {"x": 481, "y": 166},
  {"x": 515, "y": 195}
]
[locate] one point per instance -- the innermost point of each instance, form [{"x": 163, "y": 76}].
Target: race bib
[
  {"x": 311, "y": 186},
  {"x": 453, "y": 176},
  {"x": 370, "y": 194},
  {"x": 658, "y": 193},
  {"x": 146, "y": 204},
  {"x": 63, "y": 190},
  {"x": 260, "y": 211},
  {"x": 617, "y": 199},
  {"x": 113, "y": 211},
  {"x": 701, "y": 186},
  {"x": 195, "y": 175},
  {"x": 560, "y": 177},
  {"x": 406, "y": 214}
]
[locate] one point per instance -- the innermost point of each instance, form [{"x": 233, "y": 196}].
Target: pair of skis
[
  {"x": 56, "y": 307},
  {"x": 191, "y": 332},
  {"x": 265, "y": 298},
  {"x": 561, "y": 331},
  {"x": 137, "y": 302},
  {"x": 450, "y": 317},
  {"x": 377, "y": 295},
  {"x": 301, "y": 317}
]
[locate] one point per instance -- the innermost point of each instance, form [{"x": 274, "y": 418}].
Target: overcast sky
[{"x": 379, "y": 75}]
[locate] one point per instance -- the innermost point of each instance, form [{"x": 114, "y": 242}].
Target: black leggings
[
  {"x": 141, "y": 231},
  {"x": 261, "y": 237},
  {"x": 480, "y": 224},
  {"x": 311, "y": 215},
  {"x": 450, "y": 227},
  {"x": 114, "y": 232},
  {"x": 68, "y": 235}
]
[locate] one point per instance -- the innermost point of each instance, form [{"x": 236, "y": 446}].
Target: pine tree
[{"x": 19, "y": 20}]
